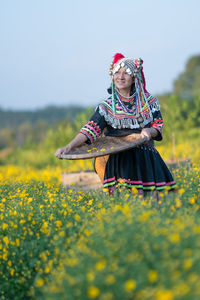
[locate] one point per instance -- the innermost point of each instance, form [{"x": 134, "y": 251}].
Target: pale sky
[{"x": 59, "y": 52}]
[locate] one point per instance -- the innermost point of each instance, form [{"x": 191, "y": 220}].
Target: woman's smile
[{"x": 123, "y": 81}]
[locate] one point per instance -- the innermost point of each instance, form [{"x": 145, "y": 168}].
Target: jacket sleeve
[
  {"x": 157, "y": 124},
  {"x": 94, "y": 128}
]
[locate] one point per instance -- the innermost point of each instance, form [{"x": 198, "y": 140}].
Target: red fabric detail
[
  {"x": 95, "y": 126},
  {"x": 157, "y": 124},
  {"x": 117, "y": 57}
]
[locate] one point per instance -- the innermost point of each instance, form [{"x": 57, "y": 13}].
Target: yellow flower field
[{"x": 58, "y": 243}]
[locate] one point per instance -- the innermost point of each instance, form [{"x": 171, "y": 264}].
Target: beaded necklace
[
  {"x": 120, "y": 98},
  {"x": 127, "y": 98}
]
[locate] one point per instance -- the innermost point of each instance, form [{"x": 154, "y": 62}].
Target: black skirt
[{"x": 141, "y": 167}]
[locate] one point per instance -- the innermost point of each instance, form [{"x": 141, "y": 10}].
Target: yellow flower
[
  {"x": 196, "y": 229},
  {"x": 100, "y": 265},
  {"x": 178, "y": 203},
  {"x": 12, "y": 271},
  {"x": 61, "y": 233},
  {"x": 187, "y": 264},
  {"x": 10, "y": 263},
  {"x": 58, "y": 223},
  {"x": 192, "y": 200},
  {"x": 110, "y": 279},
  {"x": 93, "y": 292},
  {"x": 45, "y": 228},
  {"x": 152, "y": 276},
  {"x": 87, "y": 232},
  {"x": 181, "y": 191},
  {"x": 77, "y": 217},
  {"x": 39, "y": 282},
  {"x": 90, "y": 276},
  {"x": 6, "y": 240},
  {"x": 90, "y": 202},
  {"x": 130, "y": 285},
  {"x": 47, "y": 269},
  {"x": 43, "y": 256},
  {"x": 126, "y": 209},
  {"x": 134, "y": 190},
  {"x": 174, "y": 238},
  {"x": 29, "y": 200},
  {"x": 4, "y": 256},
  {"x": 4, "y": 226},
  {"x": 164, "y": 295}
]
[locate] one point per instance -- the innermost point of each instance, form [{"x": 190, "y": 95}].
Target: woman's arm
[
  {"x": 149, "y": 133},
  {"x": 89, "y": 132},
  {"x": 77, "y": 141}
]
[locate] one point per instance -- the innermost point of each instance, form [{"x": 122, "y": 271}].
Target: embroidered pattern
[
  {"x": 157, "y": 124},
  {"x": 127, "y": 118},
  {"x": 91, "y": 130},
  {"x": 148, "y": 186}
]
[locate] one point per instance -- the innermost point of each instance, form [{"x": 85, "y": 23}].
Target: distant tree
[
  {"x": 187, "y": 85},
  {"x": 24, "y": 130},
  {"x": 50, "y": 115},
  {"x": 6, "y": 138}
]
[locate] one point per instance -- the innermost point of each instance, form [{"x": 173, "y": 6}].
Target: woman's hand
[
  {"x": 63, "y": 150},
  {"x": 146, "y": 132},
  {"x": 79, "y": 139}
]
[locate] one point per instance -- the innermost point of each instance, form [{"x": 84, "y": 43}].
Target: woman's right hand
[
  {"x": 79, "y": 139},
  {"x": 63, "y": 150}
]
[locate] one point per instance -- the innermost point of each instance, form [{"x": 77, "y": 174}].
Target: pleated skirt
[{"x": 141, "y": 167}]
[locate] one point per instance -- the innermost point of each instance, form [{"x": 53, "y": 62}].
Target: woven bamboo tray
[{"x": 104, "y": 146}]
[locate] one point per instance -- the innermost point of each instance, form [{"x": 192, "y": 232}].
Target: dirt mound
[{"x": 83, "y": 180}]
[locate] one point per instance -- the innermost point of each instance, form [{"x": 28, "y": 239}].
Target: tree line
[{"x": 46, "y": 129}]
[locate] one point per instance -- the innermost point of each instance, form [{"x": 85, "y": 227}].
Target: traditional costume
[{"x": 141, "y": 167}]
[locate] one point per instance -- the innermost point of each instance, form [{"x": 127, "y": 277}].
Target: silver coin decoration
[{"x": 140, "y": 119}]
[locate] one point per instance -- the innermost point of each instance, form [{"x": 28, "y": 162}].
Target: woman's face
[{"x": 122, "y": 80}]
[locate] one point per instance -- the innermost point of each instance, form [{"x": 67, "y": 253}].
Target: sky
[{"x": 59, "y": 52}]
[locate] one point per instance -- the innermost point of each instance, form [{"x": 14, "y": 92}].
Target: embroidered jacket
[{"x": 125, "y": 119}]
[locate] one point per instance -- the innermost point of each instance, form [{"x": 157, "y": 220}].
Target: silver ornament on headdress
[{"x": 126, "y": 63}]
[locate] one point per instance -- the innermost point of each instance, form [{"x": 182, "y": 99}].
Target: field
[{"x": 58, "y": 243}]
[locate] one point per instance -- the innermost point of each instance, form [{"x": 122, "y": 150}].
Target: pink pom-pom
[{"x": 117, "y": 57}]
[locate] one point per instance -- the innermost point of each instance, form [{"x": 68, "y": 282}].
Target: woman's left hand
[{"x": 146, "y": 132}]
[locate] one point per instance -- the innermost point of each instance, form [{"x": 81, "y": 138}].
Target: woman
[{"x": 130, "y": 109}]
